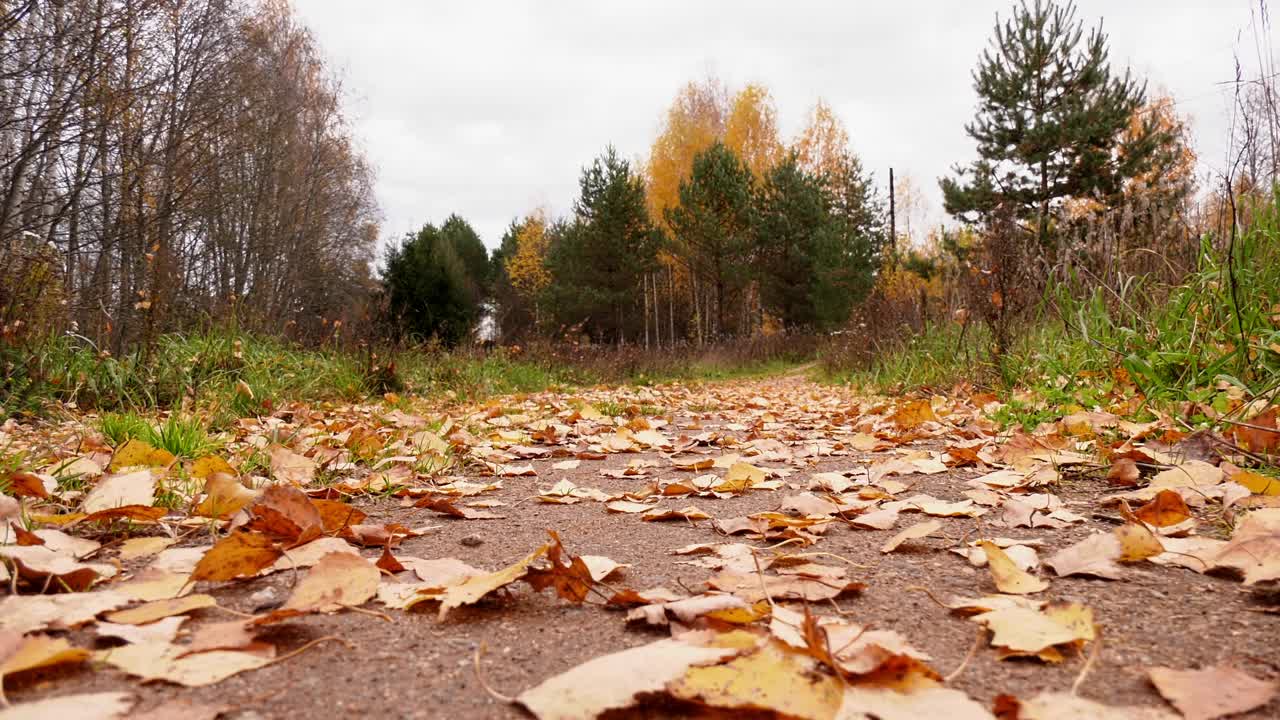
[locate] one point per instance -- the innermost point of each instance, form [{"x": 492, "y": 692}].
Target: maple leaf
[{"x": 569, "y": 575}]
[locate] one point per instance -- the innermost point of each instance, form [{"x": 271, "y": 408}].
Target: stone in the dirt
[
  {"x": 264, "y": 598},
  {"x": 471, "y": 540}
]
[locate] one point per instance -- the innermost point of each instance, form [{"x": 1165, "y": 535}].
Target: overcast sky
[{"x": 490, "y": 109}]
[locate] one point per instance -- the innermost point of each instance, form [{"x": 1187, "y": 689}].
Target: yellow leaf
[
  {"x": 135, "y": 453},
  {"x": 1008, "y": 577},
  {"x": 475, "y": 588}
]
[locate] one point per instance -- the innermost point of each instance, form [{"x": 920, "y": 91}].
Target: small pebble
[
  {"x": 471, "y": 540},
  {"x": 265, "y": 596}
]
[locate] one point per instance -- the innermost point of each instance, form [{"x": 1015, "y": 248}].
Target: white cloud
[{"x": 489, "y": 109}]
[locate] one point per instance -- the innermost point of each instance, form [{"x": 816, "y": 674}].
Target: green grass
[
  {"x": 120, "y": 428},
  {"x": 1209, "y": 340},
  {"x": 184, "y": 438}
]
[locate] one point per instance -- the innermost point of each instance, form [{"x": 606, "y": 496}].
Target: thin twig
[
  {"x": 310, "y": 645},
  {"x": 977, "y": 643},
  {"x": 1088, "y": 665},
  {"x": 484, "y": 684}
]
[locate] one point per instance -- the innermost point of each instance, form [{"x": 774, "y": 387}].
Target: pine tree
[
  {"x": 711, "y": 228},
  {"x": 600, "y": 258},
  {"x": 1050, "y": 122},
  {"x": 792, "y": 212},
  {"x": 428, "y": 289}
]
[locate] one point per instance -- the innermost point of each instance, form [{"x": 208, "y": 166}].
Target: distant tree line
[
  {"x": 166, "y": 163},
  {"x": 757, "y": 237}
]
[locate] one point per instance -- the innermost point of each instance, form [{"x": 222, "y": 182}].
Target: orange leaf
[{"x": 240, "y": 554}]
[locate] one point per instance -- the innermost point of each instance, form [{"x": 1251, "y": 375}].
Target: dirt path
[{"x": 414, "y": 666}]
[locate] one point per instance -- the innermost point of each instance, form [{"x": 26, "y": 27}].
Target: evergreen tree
[
  {"x": 598, "y": 260},
  {"x": 428, "y": 289},
  {"x": 471, "y": 252},
  {"x": 846, "y": 256},
  {"x": 711, "y": 228},
  {"x": 1050, "y": 121},
  {"x": 792, "y": 218}
]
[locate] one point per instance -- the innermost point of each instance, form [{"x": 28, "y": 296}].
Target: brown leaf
[
  {"x": 688, "y": 513},
  {"x": 286, "y": 514},
  {"x": 136, "y": 513},
  {"x": 1167, "y": 508},
  {"x": 229, "y": 635},
  {"x": 1261, "y": 435},
  {"x": 1065, "y": 706},
  {"x": 337, "y": 516},
  {"x": 1096, "y": 555},
  {"x": 241, "y": 554},
  {"x": 25, "y": 484},
  {"x": 25, "y": 537},
  {"x": 163, "y": 661},
  {"x": 388, "y": 562},
  {"x": 290, "y": 467},
  {"x": 1254, "y": 548},
  {"x": 1124, "y": 473},
  {"x": 224, "y": 496},
  {"x": 113, "y": 491},
  {"x": 1212, "y": 692},
  {"x": 444, "y": 506},
  {"x": 52, "y": 571},
  {"x": 570, "y": 576},
  {"x": 339, "y": 580}
]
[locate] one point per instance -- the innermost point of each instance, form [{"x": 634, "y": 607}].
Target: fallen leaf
[
  {"x": 444, "y": 506},
  {"x": 164, "y": 630},
  {"x": 1065, "y": 706},
  {"x": 52, "y": 571},
  {"x": 163, "y": 661},
  {"x": 86, "y": 706},
  {"x": 158, "y": 609},
  {"x": 1020, "y": 631},
  {"x": 224, "y": 496},
  {"x": 1254, "y": 547},
  {"x": 613, "y": 681},
  {"x": 1212, "y": 692},
  {"x": 601, "y": 567},
  {"x": 1165, "y": 509},
  {"x": 25, "y": 484},
  {"x": 136, "y": 453},
  {"x": 36, "y": 651},
  {"x": 1124, "y": 473},
  {"x": 690, "y": 513},
  {"x": 1008, "y": 577},
  {"x": 290, "y": 467},
  {"x": 240, "y": 554},
  {"x": 339, "y": 580},
  {"x": 772, "y": 678},
  {"x": 915, "y": 532},
  {"x": 229, "y": 635},
  {"x": 136, "y": 548},
  {"x": 1096, "y": 555},
  {"x": 474, "y": 588},
  {"x": 1137, "y": 542},
  {"x": 116, "y": 491},
  {"x": 286, "y": 514}
]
